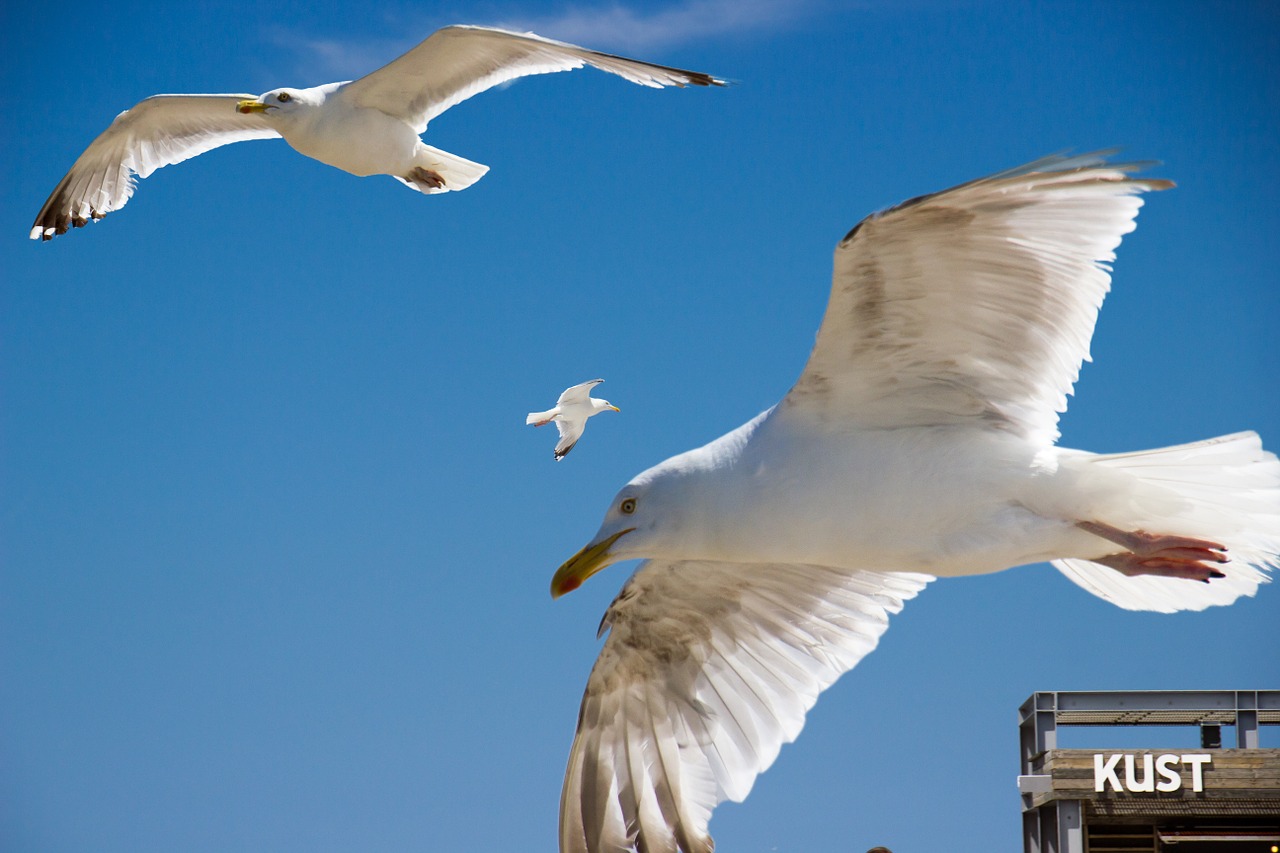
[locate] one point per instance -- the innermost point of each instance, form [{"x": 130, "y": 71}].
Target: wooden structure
[{"x": 1207, "y": 800}]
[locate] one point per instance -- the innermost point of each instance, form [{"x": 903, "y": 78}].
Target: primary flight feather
[
  {"x": 917, "y": 442},
  {"x": 370, "y": 126}
]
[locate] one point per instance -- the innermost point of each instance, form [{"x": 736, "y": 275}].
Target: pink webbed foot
[
  {"x": 430, "y": 177},
  {"x": 1153, "y": 554}
]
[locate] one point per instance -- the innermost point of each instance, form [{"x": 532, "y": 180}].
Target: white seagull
[
  {"x": 570, "y": 414},
  {"x": 369, "y": 126},
  {"x": 919, "y": 441}
]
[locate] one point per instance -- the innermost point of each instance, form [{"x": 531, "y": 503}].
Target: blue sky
[{"x": 276, "y": 541}]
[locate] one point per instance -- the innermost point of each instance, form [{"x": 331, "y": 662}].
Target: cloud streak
[
  {"x": 623, "y": 27},
  {"x": 612, "y": 26}
]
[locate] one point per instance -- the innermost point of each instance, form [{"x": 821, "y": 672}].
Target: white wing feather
[
  {"x": 708, "y": 669},
  {"x": 973, "y": 303},
  {"x": 571, "y": 430},
  {"x": 159, "y": 131},
  {"x": 457, "y": 62},
  {"x": 578, "y": 394}
]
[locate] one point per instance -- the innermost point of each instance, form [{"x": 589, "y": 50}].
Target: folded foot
[
  {"x": 1166, "y": 556},
  {"x": 428, "y": 177}
]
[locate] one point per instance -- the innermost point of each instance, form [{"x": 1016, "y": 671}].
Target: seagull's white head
[
  {"x": 283, "y": 103},
  {"x": 675, "y": 510},
  {"x": 669, "y": 511},
  {"x": 634, "y": 519}
]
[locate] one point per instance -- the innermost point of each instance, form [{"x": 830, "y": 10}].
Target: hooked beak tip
[
  {"x": 584, "y": 564},
  {"x": 564, "y": 586}
]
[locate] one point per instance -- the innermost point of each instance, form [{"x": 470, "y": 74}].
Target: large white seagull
[
  {"x": 919, "y": 441},
  {"x": 369, "y": 126}
]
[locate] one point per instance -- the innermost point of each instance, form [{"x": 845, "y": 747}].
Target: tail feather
[
  {"x": 1230, "y": 492},
  {"x": 540, "y": 418},
  {"x": 437, "y": 171}
]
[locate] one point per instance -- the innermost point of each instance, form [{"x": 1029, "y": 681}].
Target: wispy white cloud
[
  {"x": 612, "y": 26},
  {"x": 321, "y": 60},
  {"x": 647, "y": 27}
]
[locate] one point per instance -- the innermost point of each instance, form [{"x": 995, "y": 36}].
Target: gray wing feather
[
  {"x": 159, "y": 131},
  {"x": 457, "y": 62},
  {"x": 976, "y": 303},
  {"x": 708, "y": 669}
]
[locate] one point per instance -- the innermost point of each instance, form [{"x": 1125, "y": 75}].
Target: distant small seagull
[
  {"x": 367, "y": 127},
  {"x": 570, "y": 414}
]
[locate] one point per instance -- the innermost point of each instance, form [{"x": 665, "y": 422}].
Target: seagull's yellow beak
[
  {"x": 584, "y": 564},
  {"x": 253, "y": 106},
  {"x": 615, "y": 408}
]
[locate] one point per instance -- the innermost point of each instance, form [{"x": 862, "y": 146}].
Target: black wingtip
[{"x": 697, "y": 78}]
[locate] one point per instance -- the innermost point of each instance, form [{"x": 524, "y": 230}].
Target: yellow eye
[
  {"x": 284, "y": 97},
  {"x": 628, "y": 506}
]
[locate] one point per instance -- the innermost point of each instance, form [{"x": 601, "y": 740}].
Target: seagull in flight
[
  {"x": 570, "y": 414},
  {"x": 370, "y": 126},
  {"x": 919, "y": 441}
]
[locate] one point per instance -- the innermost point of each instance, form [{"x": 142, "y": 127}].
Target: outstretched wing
[
  {"x": 708, "y": 669},
  {"x": 457, "y": 62},
  {"x": 159, "y": 131},
  {"x": 976, "y": 303},
  {"x": 570, "y": 431},
  {"x": 578, "y": 394}
]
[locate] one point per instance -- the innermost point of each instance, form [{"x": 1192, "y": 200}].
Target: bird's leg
[
  {"x": 1153, "y": 554},
  {"x": 542, "y": 423},
  {"x": 428, "y": 177}
]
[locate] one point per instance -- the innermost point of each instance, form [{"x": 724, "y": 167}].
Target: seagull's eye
[
  {"x": 284, "y": 97},
  {"x": 628, "y": 506}
]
